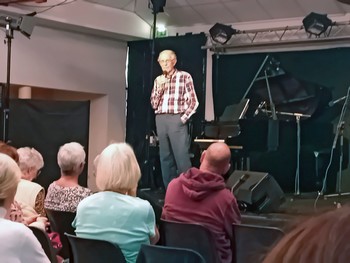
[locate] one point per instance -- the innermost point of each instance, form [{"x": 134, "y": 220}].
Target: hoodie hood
[{"x": 198, "y": 184}]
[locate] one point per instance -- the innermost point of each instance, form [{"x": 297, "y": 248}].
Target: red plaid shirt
[{"x": 175, "y": 96}]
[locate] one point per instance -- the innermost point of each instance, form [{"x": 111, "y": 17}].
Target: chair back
[
  {"x": 61, "y": 222},
  {"x": 252, "y": 242},
  {"x": 160, "y": 254},
  {"x": 86, "y": 250},
  {"x": 45, "y": 242},
  {"x": 192, "y": 236}
]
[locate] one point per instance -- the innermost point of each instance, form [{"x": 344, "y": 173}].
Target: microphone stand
[
  {"x": 148, "y": 136},
  {"x": 339, "y": 135}
]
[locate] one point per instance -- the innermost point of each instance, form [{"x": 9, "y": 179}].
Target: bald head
[{"x": 216, "y": 158}]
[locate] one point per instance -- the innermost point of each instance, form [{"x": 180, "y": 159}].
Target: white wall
[{"x": 92, "y": 66}]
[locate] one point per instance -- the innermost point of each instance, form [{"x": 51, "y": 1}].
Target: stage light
[
  {"x": 157, "y": 5},
  {"x": 316, "y": 24},
  {"x": 23, "y": 23},
  {"x": 222, "y": 33}
]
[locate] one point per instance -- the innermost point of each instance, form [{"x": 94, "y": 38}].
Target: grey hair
[
  {"x": 70, "y": 156},
  {"x": 29, "y": 158}
]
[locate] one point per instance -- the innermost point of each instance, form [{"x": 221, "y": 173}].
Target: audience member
[
  {"x": 66, "y": 193},
  {"x": 200, "y": 196},
  {"x": 115, "y": 214},
  {"x": 30, "y": 162},
  {"x": 320, "y": 239},
  {"x": 9, "y": 150},
  {"x": 18, "y": 242}
]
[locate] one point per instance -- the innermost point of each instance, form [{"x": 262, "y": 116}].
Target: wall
[{"x": 72, "y": 66}]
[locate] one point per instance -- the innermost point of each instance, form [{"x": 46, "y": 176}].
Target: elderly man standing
[
  {"x": 174, "y": 100},
  {"x": 200, "y": 195}
]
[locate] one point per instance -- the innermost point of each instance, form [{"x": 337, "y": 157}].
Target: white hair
[
  {"x": 70, "y": 156},
  {"x": 29, "y": 158}
]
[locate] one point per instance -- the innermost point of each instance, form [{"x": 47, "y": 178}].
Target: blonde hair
[
  {"x": 117, "y": 169},
  {"x": 70, "y": 156},
  {"x": 29, "y": 158},
  {"x": 10, "y": 175}
]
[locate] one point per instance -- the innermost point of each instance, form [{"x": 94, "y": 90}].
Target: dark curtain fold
[{"x": 46, "y": 125}]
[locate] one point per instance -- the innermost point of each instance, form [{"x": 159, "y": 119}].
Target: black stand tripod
[
  {"x": 5, "y": 92},
  {"x": 149, "y": 138},
  {"x": 339, "y": 135}
]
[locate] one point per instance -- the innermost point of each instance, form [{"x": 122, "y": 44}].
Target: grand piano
[{"x": 300, "y": 132}]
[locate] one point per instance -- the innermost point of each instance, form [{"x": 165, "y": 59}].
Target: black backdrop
[
  {"x": 140, "y": 116},
  {"x": 46, "y": 125},
  {"x": 328, "y": 68}
]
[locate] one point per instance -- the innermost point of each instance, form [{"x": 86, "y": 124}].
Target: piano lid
[{"x": 288, "y": 94}]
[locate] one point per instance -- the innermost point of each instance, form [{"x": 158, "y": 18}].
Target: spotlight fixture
[
  {"x": 316, "y": 24},
  {"x": 23, "y": 23},
  {"x": 222, "y": 33},
  {"x": 157, "y": 6}
]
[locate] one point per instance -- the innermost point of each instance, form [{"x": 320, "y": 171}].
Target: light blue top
[{"x": 121, "y": 219}]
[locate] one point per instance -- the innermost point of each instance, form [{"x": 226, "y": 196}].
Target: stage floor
[{"x": 294, "y": 209}]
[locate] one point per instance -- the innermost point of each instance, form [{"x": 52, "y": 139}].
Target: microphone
[
  {"x": 262, "y": 104},
  {"x": 331, "y": 103},
  {"x": 241, "y": 181}
]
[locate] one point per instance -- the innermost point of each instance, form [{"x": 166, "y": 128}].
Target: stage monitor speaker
[{"x": 259, "y": 191}]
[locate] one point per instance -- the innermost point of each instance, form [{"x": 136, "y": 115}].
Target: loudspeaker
[{"x": 259, "y": 191}]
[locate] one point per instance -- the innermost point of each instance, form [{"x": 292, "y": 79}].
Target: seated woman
[
  {"x": 18, "y": 242},
  {"x": 66, "y": 193},
  {"x": 115, "y": 214},
  {"x": 30, "y": 162}
]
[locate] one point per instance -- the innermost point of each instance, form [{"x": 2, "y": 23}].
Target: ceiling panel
[
  {"x": 186, "y": 13},
  {"x": 184, "y": 16},
  {"x": 285, "y": 9},
  {"x": 247, "y": 11},
  {"x": 213, "y": 13}
]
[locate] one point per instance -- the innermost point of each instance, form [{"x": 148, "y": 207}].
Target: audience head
[
  {"x": 9, "y": 150},
  {"x": 71, "y": 158},
  {"x": 216, "y": 158},
  {"x": 10, "y": 175},
  {"x": 30, "y": 162},
  {"x": 320, "y": 239},
  {"x": 117, "y": 169}
]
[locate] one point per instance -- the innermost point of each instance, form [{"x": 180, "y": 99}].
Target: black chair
[
  {"x": 192, "y": 236},
  {"x": 45, "y": 242},
  {"x": 252, "y": 242},
  {"x": 160, "y": 254},
  {"x": 86, "y": 250},
  {"x": 61, "y": 222}
]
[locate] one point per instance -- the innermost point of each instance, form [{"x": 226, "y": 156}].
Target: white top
[
  {"x": 18, "y": 243},
  {"x": 27, "y": 192}
]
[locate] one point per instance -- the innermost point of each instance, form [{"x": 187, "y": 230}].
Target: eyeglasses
[
  {"x": 163, "y": 61},
  {"x": 38, "y": 173}
]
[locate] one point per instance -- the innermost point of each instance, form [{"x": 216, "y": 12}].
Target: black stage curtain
[
  {"x": 326, "y": 69},
  {"x": 46, "y": 125},
  {"x": 140, "y": 117}
]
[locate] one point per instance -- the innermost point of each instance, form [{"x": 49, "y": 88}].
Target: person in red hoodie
[{"x": 200, "y": 195}]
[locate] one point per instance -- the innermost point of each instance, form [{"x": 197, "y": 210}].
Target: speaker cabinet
[{"x": 258, "y": 191}]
